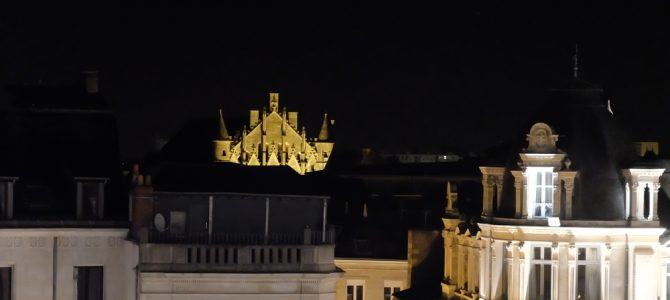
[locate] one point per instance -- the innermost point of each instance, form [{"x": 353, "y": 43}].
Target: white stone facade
[
  {"x": 205, "y": 286},
  {"x": 42, "y": 261},
  {"x": 500, "y": 259},
  {"x": 549, "y": 254}
]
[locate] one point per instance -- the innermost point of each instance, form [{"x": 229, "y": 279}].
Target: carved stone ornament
[{"x": 541, "y": 139}]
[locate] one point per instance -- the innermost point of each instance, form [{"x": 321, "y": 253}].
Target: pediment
[{"x": 541, "y": 139}]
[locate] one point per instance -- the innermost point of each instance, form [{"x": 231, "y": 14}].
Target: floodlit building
[
  {"x": 274, "y": 138},
  {"x": 63, "y": 212},
  {"x": 572, "y": 213}
]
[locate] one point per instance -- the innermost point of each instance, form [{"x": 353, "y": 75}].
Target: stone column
[
  {"x": 634, "y": 193},
  {"x": 488, "y": 196},
  {"x": 470, "y": 268},
  {"x": 520, "y": 207},
  {"x": 556, "y": 203},
  {"x": 572, "y": 272},
  {"x": 499, "y": 191},
  {"x": 569, "y": 187},
  {"x": 448, "y": 252},
  {"x": 554, "y": 270},
  {"x": 627, "y": 201},
  {"x": 568, "y": 179},
  {"x": 461, "y": 258},
  {"x": 522, "y": 260},
  {"x": 509, "y": 260},
  {"x": 654, "y": 201},
  {"x": 605, "y": 278}
]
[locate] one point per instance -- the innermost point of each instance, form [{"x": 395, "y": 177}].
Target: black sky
[{"x": 403, "y": 77}]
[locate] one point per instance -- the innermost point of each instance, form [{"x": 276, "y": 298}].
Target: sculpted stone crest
[{"x": 541, "y": 139}]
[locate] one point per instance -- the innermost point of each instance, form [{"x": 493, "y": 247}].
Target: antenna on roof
[{"x": 575, "y": 68}]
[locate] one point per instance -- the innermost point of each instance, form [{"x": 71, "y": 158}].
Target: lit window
[
  {"x": 588, "y": 273},
  {"x": 540, "y": 191},
  {"x": 390, "y": 288},
  {"x": 355, "y": 289},
  {"x": 89, "y": 284},
  {"x": 6, "y": 283},
  {"x": 540, "y": 274}
]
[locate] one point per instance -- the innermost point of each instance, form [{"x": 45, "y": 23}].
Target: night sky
[{"x": 399, "y": 78}]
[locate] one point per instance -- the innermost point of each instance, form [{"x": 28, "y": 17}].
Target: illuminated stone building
[
  {"x": 274, "y": 138},
  {"x": 572, "y": 213}
]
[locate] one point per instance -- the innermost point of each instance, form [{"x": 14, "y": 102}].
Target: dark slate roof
[
  {"x": 46, "y": 148},
  {"x": 578, "y": 84},
  {"x": 41, "y": 143},
  {"x": 465, "y": 168},
  {"x": 55, "y": 97},
  {"x": 595, "y": 142},
  {"x": 234, "y": 178}
]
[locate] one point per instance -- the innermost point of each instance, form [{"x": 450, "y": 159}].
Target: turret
[
  {"x": 323, "y": 134},
  {"x": 222, "y": 144}
]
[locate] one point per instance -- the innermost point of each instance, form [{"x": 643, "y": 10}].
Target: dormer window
[
  {"x": 7, "y": 197},
  {"x": 90, "y": 197},
  {"x": 540, "y": 191},
  {"x": 544, "y": 185}
]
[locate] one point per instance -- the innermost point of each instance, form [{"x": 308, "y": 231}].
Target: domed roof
[{"x": 595, "y": 143}]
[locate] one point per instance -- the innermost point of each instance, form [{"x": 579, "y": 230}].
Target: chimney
[{"x": 91, "y": 81}]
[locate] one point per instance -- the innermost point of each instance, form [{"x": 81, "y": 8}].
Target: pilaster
[
  {"x": 519, "y": 192},
  {"x": 654, "y": 201},
  {"x": 568, "y": 180},
  {"x": 556, "y": 211},
  {"x": 554, "y": 271},
  {"x": 572, "y": 271}
]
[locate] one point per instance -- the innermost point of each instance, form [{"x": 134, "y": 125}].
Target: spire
[
  {"x": 323, "y": 134},
  {"x": 223, "y": 132},
  {"x": 575, "y": 68}
]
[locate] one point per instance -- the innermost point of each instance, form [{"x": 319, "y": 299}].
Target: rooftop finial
[
  {"x": 575, "y": 68},
  {"x": 274, "y": 102}
]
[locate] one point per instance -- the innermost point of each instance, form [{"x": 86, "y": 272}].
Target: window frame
[
  {"x": 101, "y": 182},
  {"x": 12, "y": 281},
  {"x": 543, "y": 262},
  {"x": 394, "y": 286},
  {"x": 545, "y": 190},
  {"x": 589, "y": 262},
  {"x": 355, "y": 285},
  {"x": 76, "y": 276}
]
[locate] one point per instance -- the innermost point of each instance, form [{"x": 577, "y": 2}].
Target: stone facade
[
  {"x": 43, "y": 261},
  {"x": 376, "y": 276},
  {"x": 543, "y": 251}
]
